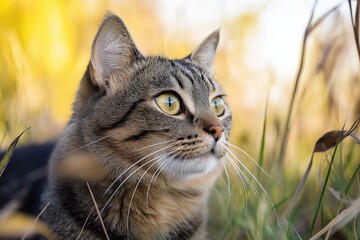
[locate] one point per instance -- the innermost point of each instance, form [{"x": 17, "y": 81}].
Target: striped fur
[{"x": 150, "y": 172}]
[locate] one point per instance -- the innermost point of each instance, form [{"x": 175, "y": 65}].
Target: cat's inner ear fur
[
  {"x": 204, "y": 54},
  {"x": 113, "y": 50}
]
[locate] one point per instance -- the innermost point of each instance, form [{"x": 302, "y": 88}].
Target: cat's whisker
[
  {"x": 151, "y": 180},
  {"x": 228, "y": 184},
  {"x": 82, "y": 147},
  {"x": 247, "y": 170},
  {"x": 175, "y": 155},
  {"x": 121, "y": 184},
  {"x": 243, "y": 176},
  {"x": 241, "y": 179},
  {"x": 134, "y": 164},
  {"x": 252, "y": 159},
  {"x": 235, "y": 159},
  {"x": 83, "y": 226},
  {"x": 257, "y": 182},
  {"x": 136, "y": 187},
  {"x": 157, "y": 172}
]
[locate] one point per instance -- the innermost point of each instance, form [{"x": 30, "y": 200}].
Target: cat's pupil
[
  {"x": 216, "y": 104},
  {"x": 170, "y": 101}
]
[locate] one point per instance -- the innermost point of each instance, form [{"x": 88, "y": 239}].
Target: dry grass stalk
[
  {"x": 340, "y": 220},
  {"x": 355, "y": 25},
  {"x": 326, "y": 142},
  {"x": 309, "y": 29},
  {"x": 30, "y": 229},
  {"x": 98, "y": 212}
]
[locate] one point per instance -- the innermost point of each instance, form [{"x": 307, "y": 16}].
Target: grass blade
[
  {"x": 263, "y": 136},
  {"x": 355, "y": 27},
  {"x": 324, "y": 188},
  {"x": 36, "y": 219},
  {"x": 343, "y": 218},
  {"x": 6, "y": 158},
  {"x": 293, "y": 228},
  {"x": 326, "y": 142},
  {"x": 284, "y": 141},
  {"x": 353, "y": 176}
]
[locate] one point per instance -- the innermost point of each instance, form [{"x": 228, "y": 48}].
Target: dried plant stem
[
  {"x": 323, "y": 17},
  {"x": 309, "y": 29},
  {"x": 297, "y": 81},
  {"x": 98, "y": 212},
  {"x": 83, "y": 226},
  {"x": 355, "y": 25},
  {"x": 36, "y": 219}
]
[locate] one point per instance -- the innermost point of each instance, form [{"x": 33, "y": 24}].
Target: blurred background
[{"x": 45, "y": 48}]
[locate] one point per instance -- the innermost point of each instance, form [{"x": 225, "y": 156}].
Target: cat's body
[{"x": 146, "y": 138}]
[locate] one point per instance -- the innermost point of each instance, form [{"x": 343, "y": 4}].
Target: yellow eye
[
  {"x": 218, "y": 106},
  {"x": 169, "y": 103}
]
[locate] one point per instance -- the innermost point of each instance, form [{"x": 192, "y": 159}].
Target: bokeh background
[{"x": 45, "y": 48}]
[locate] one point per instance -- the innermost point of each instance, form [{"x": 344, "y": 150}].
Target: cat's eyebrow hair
[
  {"x": 187, "y": 75},
  {"x": 178, "y": 81},
  {"x": 183, "y": 69},
  {"x": 208, "y": 81},
  {"x": 195, "y": 70}
]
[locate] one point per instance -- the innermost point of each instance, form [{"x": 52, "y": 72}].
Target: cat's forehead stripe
[
  {"x": 208, "y": 81},
  {"x": 178, "y": 80},
  {"x": 194, "y": 72}
]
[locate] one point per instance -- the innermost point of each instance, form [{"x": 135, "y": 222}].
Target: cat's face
[{"x": 155, "y": 113}]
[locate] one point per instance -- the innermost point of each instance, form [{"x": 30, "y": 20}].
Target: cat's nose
[{"x": 216, "y": 131}]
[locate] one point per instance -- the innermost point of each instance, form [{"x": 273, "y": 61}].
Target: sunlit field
[{"x": 290, "y": 70}]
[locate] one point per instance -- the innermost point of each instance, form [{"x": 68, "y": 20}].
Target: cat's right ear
[{"x": 112, "y": 49}]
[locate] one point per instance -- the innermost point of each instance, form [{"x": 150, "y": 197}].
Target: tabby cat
[{"x": 144, "y": 145}]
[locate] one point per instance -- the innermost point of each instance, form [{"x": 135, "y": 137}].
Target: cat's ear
[
  {"x": 113, "y": 48},
  {"x": 204, "y": 54}
]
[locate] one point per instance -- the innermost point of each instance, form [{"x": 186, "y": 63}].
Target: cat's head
[{"x": 154, "y": 112}]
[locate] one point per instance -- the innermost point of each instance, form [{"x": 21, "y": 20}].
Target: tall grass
[{"x": 301, "y": 201}]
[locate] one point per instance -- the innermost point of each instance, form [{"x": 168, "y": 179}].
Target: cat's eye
[
  {"x": 218, "y": 106},
  {"x": 169, "y": 103}
]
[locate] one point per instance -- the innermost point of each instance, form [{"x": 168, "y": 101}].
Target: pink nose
[{"x": 216, "y": 131}]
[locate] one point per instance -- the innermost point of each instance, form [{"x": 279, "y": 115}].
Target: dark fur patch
[
  {"x": 75, "y": 208},
  {"x": 187, "y": 75},
  {"x": 187, "y": 229},
  {"x": 143, "y": 133},
  {"x": 178, "y": 81}
]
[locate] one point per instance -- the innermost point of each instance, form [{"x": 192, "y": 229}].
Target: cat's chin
[{"x": 192, "y": 167}]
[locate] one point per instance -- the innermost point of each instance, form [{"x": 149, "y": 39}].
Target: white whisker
[
  {"x": 238, "y": 170},
  {"x": 136, "y": 187},
  {"x": 258, "y": 183},
  {"x": 84, "y": 146},
  {"x": 117, "y": 189},
  {"x": 228, "y": 184},
  {"x": 138, "y": 161},
  {"x": 161, "y": 167},
  {"x": 252, "y": 159}
]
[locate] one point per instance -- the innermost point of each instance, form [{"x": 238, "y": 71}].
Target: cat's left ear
[{"x": 204, "y": 54}]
